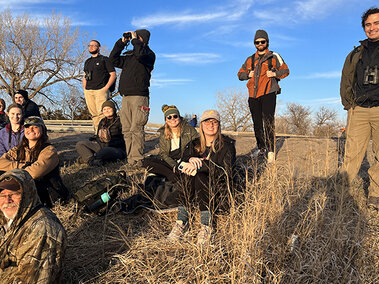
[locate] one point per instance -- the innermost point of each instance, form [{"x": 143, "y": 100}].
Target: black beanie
[
  {"x": 145, "y": 34},
  {"x": 261, "y": 34},
  {"x": 23, "y": 93},
  {"x": 109, "y": 104}
]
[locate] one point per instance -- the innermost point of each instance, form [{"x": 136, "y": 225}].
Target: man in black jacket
[
  {"x": 360, "y": 97},
  {"x": 136, "y": 65},
  {"x": 29, "y": 108}
]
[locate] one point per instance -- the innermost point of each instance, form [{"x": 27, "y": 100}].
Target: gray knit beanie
[{"x": 261, "y": 34}]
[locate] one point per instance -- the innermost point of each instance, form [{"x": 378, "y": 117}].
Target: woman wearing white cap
[{"x": 210, "y": 161}]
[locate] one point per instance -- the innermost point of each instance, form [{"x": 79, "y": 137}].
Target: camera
[
  {"x": 88, "y": 75},
  {"x": 371, "y": 75},
  {"x": 127, "y": 35}
]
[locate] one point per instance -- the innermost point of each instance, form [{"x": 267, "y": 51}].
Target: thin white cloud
[
  {"x": 192, "y": 58},
  {"x": 159, "y": 83},
  {"x": 299, "y": 10},
  {"x": 324, "y": 101},
  {"x": 229, "y": 12},
  {"x": 324, "y": 75}
]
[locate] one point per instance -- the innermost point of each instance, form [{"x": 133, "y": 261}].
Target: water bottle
[{"x": 102, "y": 200}]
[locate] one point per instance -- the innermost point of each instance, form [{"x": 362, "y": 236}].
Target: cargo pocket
[{"x": 143, "y": 115}]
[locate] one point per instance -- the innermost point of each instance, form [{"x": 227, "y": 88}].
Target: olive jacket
[
  {"x": 32, "y": 248},
  {"x": 187, "y": 134}
]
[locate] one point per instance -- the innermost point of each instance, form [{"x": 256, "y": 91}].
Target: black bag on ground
[{"x": 97, "y": 195}]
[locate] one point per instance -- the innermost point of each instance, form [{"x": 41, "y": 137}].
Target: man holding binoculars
[{"x": 136, "y": 65}]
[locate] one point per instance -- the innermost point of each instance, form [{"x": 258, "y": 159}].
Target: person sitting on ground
[
  {"x": 174, "y": 136},
  {"x": 12, "y": 133},
  {"x": 29, "y": 108},
  {"x": 210, "y": 160},
  {"x": 3, "y": 115},
  {"x": 32, "y": 240},
  {"x": 108, "y": 145},
  {"x": 40, "y": 159}
]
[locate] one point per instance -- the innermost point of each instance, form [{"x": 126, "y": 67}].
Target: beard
[
  {"x": 94, "y": 52},
  {"x": 262, "y": 47},
  {"x": 8, "y": 215}
]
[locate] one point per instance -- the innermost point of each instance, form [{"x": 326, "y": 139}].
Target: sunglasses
[
  {"x": 175, "y": 116},
  {"x": 259, "y": 42}
]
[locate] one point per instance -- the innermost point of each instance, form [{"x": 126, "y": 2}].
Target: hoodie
[{"x": 32, "y": 248}]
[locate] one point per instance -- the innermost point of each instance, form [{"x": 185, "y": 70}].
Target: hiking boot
[
  {"x": 93, "y": 162},
  {"x": 373, "y": 203},
  {"x": 270, "y": 157},
  {"x": 204, "y": 235},
  {"x": 177, "y": 231}
]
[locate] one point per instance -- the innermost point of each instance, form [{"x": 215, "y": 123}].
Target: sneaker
[
  {"x": 373, "y": 203},
  {"x": 177, "y": 231},
  {"x": 270, "y": 157},
  {"x": 204, "y": 235}
]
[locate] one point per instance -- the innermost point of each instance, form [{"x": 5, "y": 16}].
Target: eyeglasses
[
  {"x": 259, "y": 42},
  {"x": 93, "y": 45},
  {"x": 175, "y": 116},
  {"x": 6, "y": 196},
  {"x": 210, "y": 122}
]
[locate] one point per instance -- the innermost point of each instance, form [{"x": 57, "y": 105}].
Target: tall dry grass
[{"x": 283, "y": 227}]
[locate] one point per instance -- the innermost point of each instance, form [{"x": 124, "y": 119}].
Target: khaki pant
[
  {"x": 362, "y": 124},
  {"x": 94, "y": 101},
  {"x": 134, "y": 115}
]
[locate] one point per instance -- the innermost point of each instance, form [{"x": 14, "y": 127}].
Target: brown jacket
[
  {"x": 47, "y": 160},
  {"x": 260, "y": 84},
  {"x": 32, "y": 249}
]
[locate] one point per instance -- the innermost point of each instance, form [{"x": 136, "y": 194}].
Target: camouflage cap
[
  {"x": 9, "y": 184},
  {"x": 34, "y": 120}
]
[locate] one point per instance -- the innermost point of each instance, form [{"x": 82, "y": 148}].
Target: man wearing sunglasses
[{"x": 263, "y": 70}]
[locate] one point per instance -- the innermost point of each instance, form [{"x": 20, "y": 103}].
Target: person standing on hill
[
  {"x": 263, "y": 70},
  {"x": 98, "y": 78},
  {"x": 136, "y": 65},
  {"x": 360, "y": 97}
]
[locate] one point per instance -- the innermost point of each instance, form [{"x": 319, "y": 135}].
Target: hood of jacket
[
  {"x": 29, "y": 197},
  {"x": 145, "y": 34}
]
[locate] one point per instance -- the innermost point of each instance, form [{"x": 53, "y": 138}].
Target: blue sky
[{"x": 200, "y": 45}]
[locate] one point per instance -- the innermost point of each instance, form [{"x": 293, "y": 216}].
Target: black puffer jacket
[
  {"x": 115, "y": 129},
  {"x": 224, "y": 157},
  {"x": 136, "y": 66}
]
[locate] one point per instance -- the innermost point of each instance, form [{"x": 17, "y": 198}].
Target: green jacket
[
  {"x": 187, "y": 134},
  {"x": 32, "y": 249},
  {"x": 347, "y": 87}
]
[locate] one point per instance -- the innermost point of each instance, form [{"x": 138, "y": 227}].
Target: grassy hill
[{"x": 296, "y": 223}]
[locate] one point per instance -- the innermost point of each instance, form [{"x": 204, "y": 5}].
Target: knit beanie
[
  {"x": 261, "y": 34},
  {"x": 169, "y": 110},
  {"x": 145, "y": 34},
  {"x": 23, "y": 93},
  {"x": 109, "y": 104}
]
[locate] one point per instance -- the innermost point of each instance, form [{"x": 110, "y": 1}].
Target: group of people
[{"x": 200, "y": 163}]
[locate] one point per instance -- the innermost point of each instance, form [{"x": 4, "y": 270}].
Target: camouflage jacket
[{"x": 32, "y": 249}]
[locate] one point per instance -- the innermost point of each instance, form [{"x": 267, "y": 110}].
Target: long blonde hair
[
  {"x": 168, "y": 131},
  {"x": 216, "y": 145}
]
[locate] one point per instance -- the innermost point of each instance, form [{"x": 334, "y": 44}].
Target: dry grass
[{"x": 338, "y": 238}]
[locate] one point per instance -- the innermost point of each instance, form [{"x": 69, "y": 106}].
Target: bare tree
[
  {"x": 298, "y": 118},
  {"x": 35, "y": 55},
  {"x": 326, "y": 123},
  {"x": 234, "y": 110}
]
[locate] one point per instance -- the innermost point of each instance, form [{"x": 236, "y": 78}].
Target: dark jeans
[
  {"x": 160, "y": 167},
  {"x": 263, "y": 112},
  {"x": 89, "y": 149}
]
